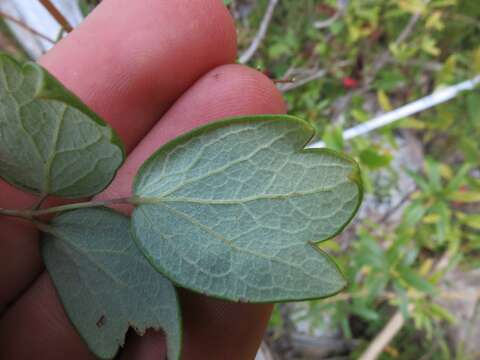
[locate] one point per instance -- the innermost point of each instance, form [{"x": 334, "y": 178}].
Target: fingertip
[
  {"x": 226, "y": 91},
  {"x": 36, "y": 327},
  {"x": 240, "y": 82},
  {"x": 130, "y": 60},
  {"x": 150, "y": 346},
  {"x": 235, "y": 329}
]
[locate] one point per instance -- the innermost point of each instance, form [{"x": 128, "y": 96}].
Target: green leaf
[
  {"x": 419, "y": 181},
  {"x": 363, "y": 311},
  {"x": 333, "y": 137},
  {"x": 375, "y": 158},
  {"x": 472, "y": 220},
  {"x": 413, "y": 279},
  {"x": 473, "y": 107},
  {"x": 413, "y": 213},
  {"x": 235, "y": 210},
  {"x": 104, "y": 282},
  {"x": 442, "y": 313},
  {"x": 460, "y": 178},
  {"x": 50, "y": 142},
  {"x": 464, "y": 196},
  {"x": 432, "y": 169}
]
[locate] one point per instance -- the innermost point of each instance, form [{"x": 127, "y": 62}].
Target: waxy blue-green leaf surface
[
  {"x": 50, "y": 142},
  {"x": 105, "y": 283},
  {"x": 236, "y": 209}
]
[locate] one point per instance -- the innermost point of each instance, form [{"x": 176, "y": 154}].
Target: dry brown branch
[
  {"x": 26, "y": 27},
  {"x": 6, "y": 44},
  {"x": 57, "y": 15}
]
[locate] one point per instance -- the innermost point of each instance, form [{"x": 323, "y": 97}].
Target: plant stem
[
  {"x": 83, "y": 205},
  {"x": 16, "y": 213},
  {"x": 43, "y": 227},
  {"x": 39, "y": 202},
  {"x": 57, "y": 15},
  {"x": 31, "y": 214}
]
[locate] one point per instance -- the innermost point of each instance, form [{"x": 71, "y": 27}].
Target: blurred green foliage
[{"x": 377, "y": 55}]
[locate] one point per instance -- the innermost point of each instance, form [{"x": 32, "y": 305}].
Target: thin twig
[
  {"x": 425, "y": 65},
  {"x": 397, "y": 321},
  {"x": 407, "y": 110},
  {"x": 384, "y": 58},
  {"x": 25, "y": 26},
  {"x": 407, "y": 31},
  {"x": 57, "y": 15},
  {"x": 39, "y": 202},
  {"x": 315, "y": 76},
  {"x": 83, "y": 205},
  {"x": 322, "y": 24},
  {"x": 43, "y": 227},
  {"x": 283, "y": 81},
  {"x": 30, "y": 214},
  {"x": 396, "y": 207},
  {"x": 393, "y": 326},
  {"x": 298, "y": 83},
  {"x": 262, "y": 31}
]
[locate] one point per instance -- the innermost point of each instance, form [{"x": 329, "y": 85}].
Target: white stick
[{"x": 422, "y": 104}]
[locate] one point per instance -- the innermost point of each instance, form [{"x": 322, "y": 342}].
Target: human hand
[{"x": 153, "y": 69}]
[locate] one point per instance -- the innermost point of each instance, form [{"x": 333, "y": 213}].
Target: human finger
[
  {"x": 226, "y": 91},
  {"x": 129, "y": 61}
]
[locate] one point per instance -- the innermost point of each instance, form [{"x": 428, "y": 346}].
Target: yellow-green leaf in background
[{"x": 464, "y": 196}]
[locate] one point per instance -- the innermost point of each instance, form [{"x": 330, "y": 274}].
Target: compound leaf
[
  {"x": 50, "y": 142},
  {"x": 105, "y": 283},
  {"x": 236, "y": 209}
]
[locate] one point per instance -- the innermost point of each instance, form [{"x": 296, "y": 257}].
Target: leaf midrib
[
  {"x": 53, "y": 154},
  {"x": 97, "y": 299},
  {"x": 152, "y": 200}
]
